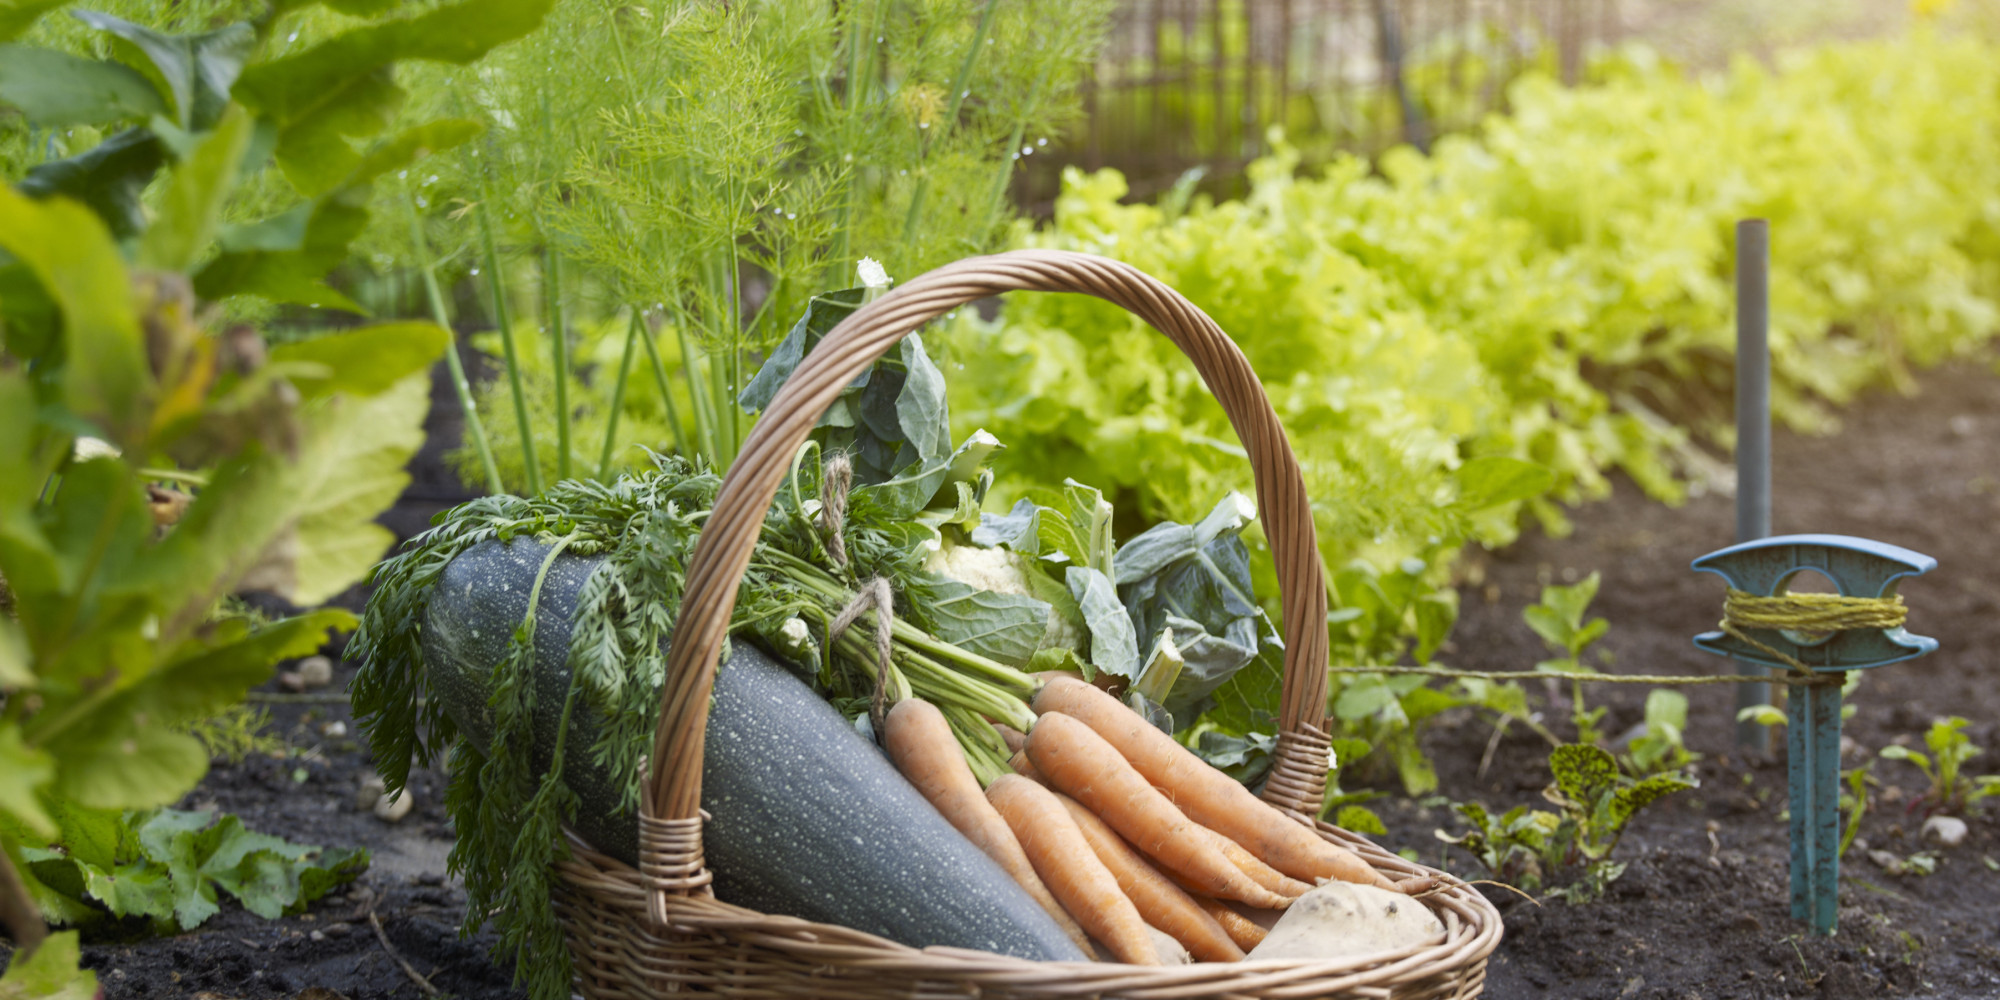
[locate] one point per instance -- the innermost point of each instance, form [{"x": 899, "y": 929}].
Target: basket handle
[{"x": 673, "y": 795}]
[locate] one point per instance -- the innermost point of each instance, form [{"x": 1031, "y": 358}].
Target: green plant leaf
[
  {"x": 1436, "y": 613},
  {"x": 1632, "y": 798},
  {"x": 1583, "y": 772},
  {"x": 55, "y": 89},
  {"x": 340, "y": 90},
  {"x": 1114, "y": 646},
  {"x": 108, "y": 177},
  {"x": 1003, "y": 627},
  {"x": 138, "y": 888},
  {"x": 364, "y": 361},
  {"x": 1360, "y": 819},
  {"x": 1763, "y": 715},
  {"x": 17, "y": 16},
  {"x": 23, "y": 770},
  {"x": 1491, "y": 480},
  {"x": 191, "y": 207},
  {"x": 1572, "y": 601},
  {"x": 197, "y": 70},
  {"x": 133, "y": 768},
  {"x": 50, "y": 972},
  {"x": 105, "y": 373}
]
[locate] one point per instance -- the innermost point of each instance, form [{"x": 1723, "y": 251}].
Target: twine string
[
  {"x": 875, "y": 596},
  {"x": 834, "y": 481},
  {"x": 1741, "y": 610}
]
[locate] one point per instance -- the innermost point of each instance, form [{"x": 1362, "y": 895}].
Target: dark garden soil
[{"x": 1701, "y": 912}]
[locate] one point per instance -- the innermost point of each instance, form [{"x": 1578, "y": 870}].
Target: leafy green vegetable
[{"x": 168, "y": 865}]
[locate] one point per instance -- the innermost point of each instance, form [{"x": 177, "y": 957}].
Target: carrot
[
  {"x": 1259, "y": 872},
  {"x": 1160, "y": 902},
  {"x": 1078, "y": 761},
  {"x": 920, "y": 741},
  {"x": 1208, "y": 796},
  {"x": 1241, "y": 929},
  {"x": 1014, "y": 738},
  {"x": 1025, "y": 767},
  {"x": 1070, "y": 868}
]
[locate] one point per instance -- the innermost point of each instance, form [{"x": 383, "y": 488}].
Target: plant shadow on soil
[{"x": 1701, "y": 912}]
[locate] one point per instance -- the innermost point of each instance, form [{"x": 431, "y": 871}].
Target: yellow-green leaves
[
  {"x": 105, "y": 377},
  {"x": 49, "y": 973},
  {"x": 192, "y": 204}
]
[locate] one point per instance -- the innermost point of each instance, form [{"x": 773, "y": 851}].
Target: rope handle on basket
[{"x": 723, "y": 553}]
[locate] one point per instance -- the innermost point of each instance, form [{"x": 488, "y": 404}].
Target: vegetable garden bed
[{"x": 1677, "y": 924}]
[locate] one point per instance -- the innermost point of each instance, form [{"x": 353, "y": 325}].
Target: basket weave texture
[{"x": 657, "y": 931}]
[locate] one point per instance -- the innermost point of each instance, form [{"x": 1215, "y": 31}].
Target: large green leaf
[
  {"x": 140, "y": 767},
  {"x": 54, "y": 88},
  {"x": 1114, "y": 646},
  {"x": 133, "y": 889},
  {"x": 1583, "y": 772},
  {"x": 1003, "y": 627},
  {"x": 302, "y": 527},
  {"x": 196, "y": 70},
  {"x": 340, "y": 90},
  {"x": 192, "y": 204},
  {"x": 367, "y": 361},
  {"x": 105, "y": 373}
]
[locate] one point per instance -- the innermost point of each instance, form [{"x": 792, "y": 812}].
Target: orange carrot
[
  {"x": 1160, "y": 902},
  {"x": 1014, "y": 738},
  {"x": 1208, "y": 796},
  {"x": 1070, "y": 868},
  {"x": 1259, "y": 872},
  {"x": 1241, "y": 929},
  {"x": 1078, "y": 761},
  {"x": 1025, "y": 767},
  {"x": 920, "y": 741}
]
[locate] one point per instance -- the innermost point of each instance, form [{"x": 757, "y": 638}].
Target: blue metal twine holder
[{"x": 1858, "y": 567}]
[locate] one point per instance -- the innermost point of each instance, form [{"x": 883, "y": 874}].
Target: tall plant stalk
[
  {"x": 681, "y": 442},
  {"x": 474, "y": 427},
  {"x": 632, "y": 333},
  {"x": 500, "y": 319},
  {"x": 559, "y": 351}
]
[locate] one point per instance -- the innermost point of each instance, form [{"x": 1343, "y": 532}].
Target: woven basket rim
[{"x": 1473, "y": 930}]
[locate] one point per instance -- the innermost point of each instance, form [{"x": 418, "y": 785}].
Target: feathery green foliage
[{"x": 713, "y": 165}]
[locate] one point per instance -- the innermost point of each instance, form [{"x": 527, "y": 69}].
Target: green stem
[
  {"x": 559, "y": 351},
  {"x": 501, "y": 319},
  {"x": 618, "y": 397},
  {"x": 959, "y": 85},
  {"x": 667, "y": 396},
  {"x": 697, "y": 383},
  {"x": 474, "y": 427},
  {"x": 1009, "y": 155}
]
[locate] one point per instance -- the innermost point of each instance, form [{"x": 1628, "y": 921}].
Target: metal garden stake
[
  {"x": 1753, "y": 424},
  {"x": 1866, "y": 573}
]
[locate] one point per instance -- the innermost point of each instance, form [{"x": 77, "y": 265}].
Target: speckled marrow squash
[{"x": 808, "y": 818}]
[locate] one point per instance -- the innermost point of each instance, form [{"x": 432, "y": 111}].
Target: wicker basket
[{"x": 658, "y": 931}]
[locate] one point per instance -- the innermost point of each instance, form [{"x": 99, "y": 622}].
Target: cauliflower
[{"x": 1005, "y": 571}]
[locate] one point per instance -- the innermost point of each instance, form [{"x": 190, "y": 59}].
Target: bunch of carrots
[{"x": 1114, "y": 828}]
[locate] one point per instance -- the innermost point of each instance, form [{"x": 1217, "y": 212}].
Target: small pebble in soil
[
  {"x": 333, "y": 730},
  {"x": 369, "y": 793},
  {"x": 317, "y": 936},
  {"x": 337, "y": 930},
  {"x": 1945, "y": 831},
  {"x": 315, "y": 672},
  {"x": 392, "y": 810}
]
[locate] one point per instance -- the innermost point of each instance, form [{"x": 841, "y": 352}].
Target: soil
[{"x": 1701, "y": 911}]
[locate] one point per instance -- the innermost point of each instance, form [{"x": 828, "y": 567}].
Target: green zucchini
[{"x": 808, "y": 818}]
